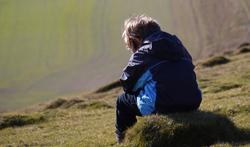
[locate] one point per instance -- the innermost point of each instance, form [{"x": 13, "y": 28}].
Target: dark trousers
[{"x": 126, "y": 112}]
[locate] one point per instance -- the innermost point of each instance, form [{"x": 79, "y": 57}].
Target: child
[{"x": 159, "y": 77}]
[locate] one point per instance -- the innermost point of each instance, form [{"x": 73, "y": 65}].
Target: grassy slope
[
  {"x": 52, "y": 48},
  {"x": 90, "y": 120},
  {"x": 203, "y": 25},
  {"x": 38, "y": 39}
]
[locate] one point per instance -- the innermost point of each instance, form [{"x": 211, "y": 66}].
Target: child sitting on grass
[{"x": 159, "y": 77}]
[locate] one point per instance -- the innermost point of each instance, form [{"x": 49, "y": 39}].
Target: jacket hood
[{"x": 165, "y": 46}]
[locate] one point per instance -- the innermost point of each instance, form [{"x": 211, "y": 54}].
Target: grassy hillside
[
  {"x": 88, "y": 119},
  {"x": 38, "y": 39},
  {"x": 52, "y": 48},
  {"x": 60, "y": 47}
]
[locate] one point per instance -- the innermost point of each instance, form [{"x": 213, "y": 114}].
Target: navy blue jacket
[{"x": 161, "y": 74}]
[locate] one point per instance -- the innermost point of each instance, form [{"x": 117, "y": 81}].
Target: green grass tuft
[
  {"x": 243, "y": 48},
  {"x": 244, "y": 45},
  {"x": 95, "y": 105},
  {"x": 218, "y": 60},
  {"x": 63, "y": 103},
  {"x": 56, "y": 104},
  {"x": 20, "y": 120},
  {"x": 109, "y": 87},
  {"x": 184, "y": 129}
]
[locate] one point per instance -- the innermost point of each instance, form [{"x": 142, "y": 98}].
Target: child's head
[{"x": 136, "y": 29}]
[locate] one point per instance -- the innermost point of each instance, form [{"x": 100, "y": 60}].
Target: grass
[
  {"x": 215, "y": 61},
  {"x": 244, "y": 48},
  {"x": 95, "y": 105},
  {"x": 88, "y": 119},
  {"x": 109, "y": 87},
  {"x": 63, "y": 103},
  {"x": 50, "y": 48},
  {"x": 19, "y": 120},
  {"x": 38, "y": 39},
  {"x": 185, "y": 129}
]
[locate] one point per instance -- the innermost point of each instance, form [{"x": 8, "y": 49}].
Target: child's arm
[{"x": 136, "y": 67}]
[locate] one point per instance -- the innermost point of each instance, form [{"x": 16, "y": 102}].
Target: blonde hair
[{"x": 138, "y": 27}]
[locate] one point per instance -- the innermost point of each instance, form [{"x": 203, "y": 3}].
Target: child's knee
[{"x": 119, "y": 101}]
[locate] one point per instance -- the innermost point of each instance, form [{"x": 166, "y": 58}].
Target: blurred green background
[{"x": 52, "y": 48}]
